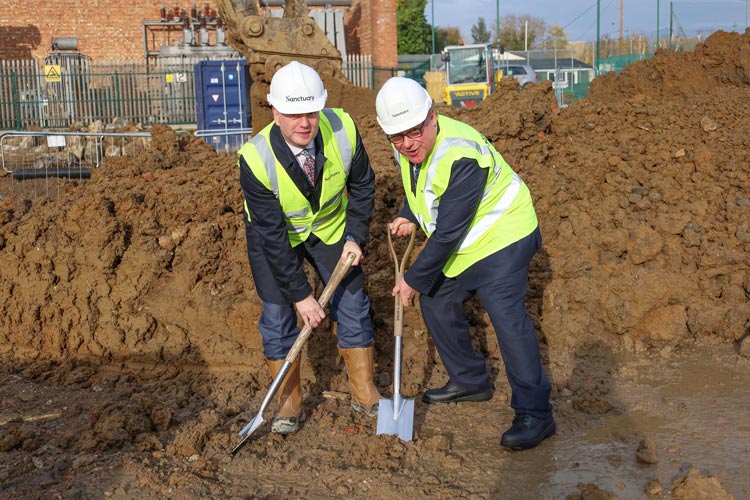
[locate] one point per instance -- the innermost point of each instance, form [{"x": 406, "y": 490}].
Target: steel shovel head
[
  {"x": 398, "y": 421},
  {"x": 252, "y": 425},
  {"x": 247, "y": 431}
]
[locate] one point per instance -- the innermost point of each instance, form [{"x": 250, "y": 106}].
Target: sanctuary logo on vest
[{"x": 331, "y": 175}]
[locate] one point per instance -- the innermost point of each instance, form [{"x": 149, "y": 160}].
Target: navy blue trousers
[
  {"x": 349, "y": 306},
  {"x": 500, "y": 281}
]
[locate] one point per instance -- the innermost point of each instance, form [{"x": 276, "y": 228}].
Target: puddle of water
[{"x": 695, "y": 408}]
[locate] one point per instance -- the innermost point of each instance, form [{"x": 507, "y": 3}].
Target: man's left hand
[
  {"x": 351, "y": 247},
  {"x": 407, "y": 292}
]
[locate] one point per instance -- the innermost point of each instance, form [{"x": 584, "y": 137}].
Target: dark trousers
[
  {"x": 501, "y": 282},
  {"x": 349, "y": 306}
]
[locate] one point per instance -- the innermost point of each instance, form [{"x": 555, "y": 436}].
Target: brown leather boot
[
  {"x": 288, "y": 398},
  {"x": 359, "y": 367}
]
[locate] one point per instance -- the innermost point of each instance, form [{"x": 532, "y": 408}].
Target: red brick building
[
  {"x": 371, "y": 29},
  {"x": 106, "y": 30}
]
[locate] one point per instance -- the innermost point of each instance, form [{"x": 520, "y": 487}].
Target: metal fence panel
[
  {"x": 358, "y": 70},
  {"x": 20, "y": 93},
  {"x": 36, "y": 163},
  {"x": 225, "y": 141},
  {"x": 87, "y": 92},
  {"x": 62, "y": 91}
]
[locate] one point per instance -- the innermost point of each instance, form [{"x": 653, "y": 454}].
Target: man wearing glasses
[
  {"x": 482, "y": 232},
  {"x": 309, "y": 195}
]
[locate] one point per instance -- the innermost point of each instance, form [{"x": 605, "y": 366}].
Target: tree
[
  {"x": 446, "y": 36},
  {"x": 414, "y": 34},
  {"x": 514, "y": 34},
  {"x": 555, "y": 39},
  {"x": 479, "y": 32}
]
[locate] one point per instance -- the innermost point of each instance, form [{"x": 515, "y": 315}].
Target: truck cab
[{"x": 468, "y": 74}]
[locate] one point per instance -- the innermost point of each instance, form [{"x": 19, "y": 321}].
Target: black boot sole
[
  {"x": 525, "y": 445},
  {"x": 470, "y": 398}
]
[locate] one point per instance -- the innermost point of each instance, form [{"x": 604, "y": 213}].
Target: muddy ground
[{"x": 131, "y": 357}]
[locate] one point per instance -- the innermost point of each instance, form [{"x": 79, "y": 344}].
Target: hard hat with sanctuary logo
[
  {"x": 401, "y": 104},
  {"x": 297, "y": 89}
]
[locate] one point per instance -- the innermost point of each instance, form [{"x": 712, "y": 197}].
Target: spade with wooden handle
[{"x": 338, "y": 274}]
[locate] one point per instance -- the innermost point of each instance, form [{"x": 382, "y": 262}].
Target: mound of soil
[{"x": 642, "y": 194}]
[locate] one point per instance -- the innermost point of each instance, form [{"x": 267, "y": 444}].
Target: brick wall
[
  {"x": 371, "y": 29},
  {"x": 113, "y": 29},
  {"x": 104, "y": 29}
]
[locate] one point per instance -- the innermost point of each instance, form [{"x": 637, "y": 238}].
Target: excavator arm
[{"x": 269, "y": 43}]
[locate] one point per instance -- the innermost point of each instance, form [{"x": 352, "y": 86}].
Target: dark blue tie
[{"x": 414, "y": 176}]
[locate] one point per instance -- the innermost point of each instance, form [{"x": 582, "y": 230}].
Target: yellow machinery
[
  {"x": 468, "y": 70},
  {"x": 269, "y": 43}
]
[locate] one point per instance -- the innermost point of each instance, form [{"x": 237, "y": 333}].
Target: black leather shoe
[
  {"x": 527, "y": 431},
  {"x": 451, "y": 393}
]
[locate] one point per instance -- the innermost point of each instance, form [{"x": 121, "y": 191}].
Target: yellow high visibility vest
[
  {"x": 506, "y": 212},
  {"x": 339, "y": 142}
]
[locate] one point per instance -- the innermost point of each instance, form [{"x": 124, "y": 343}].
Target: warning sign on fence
[{"x": 52, "y": 73}]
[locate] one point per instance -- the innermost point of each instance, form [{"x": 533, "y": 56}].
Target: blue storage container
[{"x": 222, "y": 108}]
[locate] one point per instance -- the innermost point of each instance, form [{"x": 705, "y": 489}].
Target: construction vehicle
[
  {"x": 468, "y": 74},
  {"x": 268, "y": 43}
]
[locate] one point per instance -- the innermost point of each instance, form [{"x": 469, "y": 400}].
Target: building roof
[{"x": 550, "y": 63}]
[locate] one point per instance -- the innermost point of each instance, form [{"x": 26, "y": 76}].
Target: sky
[{"x": 578, "y": 17}]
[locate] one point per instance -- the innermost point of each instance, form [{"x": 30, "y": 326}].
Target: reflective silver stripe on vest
[
  {"x": 298, "y": 213},
  {"x": 295, "y": 229},
  {"x": 342, "y": 139},
  {"x": 442, "y": 150},
  {"x": 331, "y": 215},
  {"x": 333, "y": 200},
  {"x": 481, "y": 226},
  {"x": 269, "y": 161}
]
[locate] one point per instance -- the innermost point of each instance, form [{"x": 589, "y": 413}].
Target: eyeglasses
[{"x": 413, "y": 133}]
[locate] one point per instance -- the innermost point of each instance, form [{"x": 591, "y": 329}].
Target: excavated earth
[{"x": 131, "y": 356}]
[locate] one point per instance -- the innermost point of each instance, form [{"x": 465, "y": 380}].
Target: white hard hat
[
  {"x": 401, "y": 104},
  {"x": 296, "y": 89}
]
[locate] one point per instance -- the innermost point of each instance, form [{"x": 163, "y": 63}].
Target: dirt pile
[{"x": 647, "y": 216}]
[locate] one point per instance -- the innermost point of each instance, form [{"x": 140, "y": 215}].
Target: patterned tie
[{"x": 308, "y": 166}]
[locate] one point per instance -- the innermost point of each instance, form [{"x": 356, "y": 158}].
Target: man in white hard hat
[
  {"x": 309, "y": 195},
  {"x": 482, "y": 233}
]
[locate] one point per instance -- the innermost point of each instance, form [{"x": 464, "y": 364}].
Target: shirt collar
[{"x": 297, "y": 150}]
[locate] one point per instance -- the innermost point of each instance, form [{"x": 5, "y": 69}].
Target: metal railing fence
[
  {"x": 359, "y": 70},
  {"x": 225, "y": 141},
  {"x": 63, "y": 92},
  {"x": 36, "y": 163},
  {"x": 58, "y": 96}
]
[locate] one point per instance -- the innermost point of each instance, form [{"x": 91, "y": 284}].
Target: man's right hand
[
  {"x": 310, "y": 311},
  {"x": 401, "y": 226}
]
